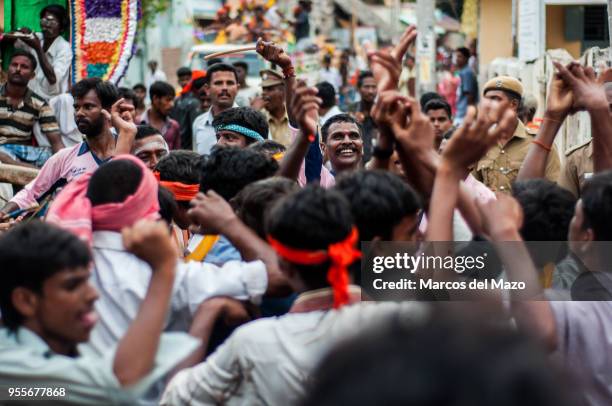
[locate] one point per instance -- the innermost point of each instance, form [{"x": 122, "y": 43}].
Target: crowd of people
[{"x": 193, "y": 251}]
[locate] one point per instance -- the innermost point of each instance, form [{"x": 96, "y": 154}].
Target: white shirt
[
  {"x": 334, "y": 111},
  {"x": 122, "y": 281},
  {"x": 159, "y": 75},
  {"x": 204, "y": 137},
  {"x": 269, "y": 361},
  {"x": 332, "y": 76},
  {"x": 245, "y": 95},
  {"x": 59, "y": 55}
]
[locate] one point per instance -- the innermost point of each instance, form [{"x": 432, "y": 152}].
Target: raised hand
[
  {"x": 413, "y": 128},
  {"x": 151, "y": 242},
  {"x": 305, "y": 108},
  {"x": 588, "y": 94},
  {"x": 211, "y": 212},
  {"x": 472, "y": 140},
  {"x": 560, "y": 99},
  {"x": 273, "y": 53},
  {"x": 121, "y": 116},
  {"x": 387, "y": 66},
  {"x": 500, "y": 216}
]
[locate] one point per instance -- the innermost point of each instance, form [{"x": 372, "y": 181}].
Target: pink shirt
[{"x": 68, "y": 163}]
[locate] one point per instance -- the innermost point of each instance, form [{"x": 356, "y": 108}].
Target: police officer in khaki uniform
[
  {"x": 500, "y": 166},
  {"x": 273, "y": 94},
  {"x": 578, "y": 167}
]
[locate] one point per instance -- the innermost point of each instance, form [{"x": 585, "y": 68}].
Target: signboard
[{"x": 530, "y": 21}]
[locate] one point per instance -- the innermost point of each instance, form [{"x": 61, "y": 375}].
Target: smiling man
[
  {"x": 221, "y": 86},
  {"x": 342, "y": 143}
]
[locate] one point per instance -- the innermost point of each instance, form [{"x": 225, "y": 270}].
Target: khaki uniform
[
  {"x": 578, "y": 167},
  {"x": 500, "y": 166},
  {"x": 279, "y": 129}
]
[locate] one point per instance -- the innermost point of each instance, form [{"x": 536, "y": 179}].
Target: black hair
[
  {"x": 183, "y": 71},
  {"x": 227, "y": 170},
  {"x": 139, "y": 86},
  {"x": 161, "y": 89},
  {"x": 464, "y": 51},
  {"x": 411, "y": 362},
  {"x": 311, "y": 219},
  {"x": 128, "y": 94},
  {"x": 245, "y": 117},
  {"x": 106, "y": 91},
  {"x": 268, "y": 147},
  {"x": 22, "y": 52},
  {"x": 59, "y": 12},
  {"x": 113, "y": 182},
  {"x": 363, "y": 76},
  {"x": 547, "y": 207},
  {"x": 213, "y": 61},
  {"x": 168, "y": 205},
  {"x": 242, "y": 65},
  {"x": 255, "y": 200},
  {"x": 180, "y": 166},
  {"x": 327, "y": 94},
  {"x": 379, "y": 201},
  {"x": 427, "y": 97},
  {"x": 548, "y": 210},
  {"x": 438, "y": 104},
  {"x": 220, "y": 67},
  {"x": 338, "y": 118},
  {"x": 597, "y": 205},
  {"x": 30, "y": 254},
  {"x": 198, "y": 83},
  {"x": 145, "y": 130}
]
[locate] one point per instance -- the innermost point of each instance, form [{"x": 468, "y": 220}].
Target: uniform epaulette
[{"x": 569, "y": 151}]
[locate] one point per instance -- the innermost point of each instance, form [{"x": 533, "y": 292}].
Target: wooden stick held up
[{"x": 231, "y": 51}]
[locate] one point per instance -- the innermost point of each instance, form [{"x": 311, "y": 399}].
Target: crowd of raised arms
[{"x": 197, "y": 252}]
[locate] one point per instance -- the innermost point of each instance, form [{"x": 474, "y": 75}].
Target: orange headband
[
  {"x": 340, "y": 254},
  {"x": 181, "y": 191}
]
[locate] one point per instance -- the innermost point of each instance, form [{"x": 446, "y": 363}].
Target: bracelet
[
  {"x": 542, "y": 145},
  {"x": 289, "y": 72},
  {"x": 552, "y": 119},
  {"x": 311, "y": 138}
]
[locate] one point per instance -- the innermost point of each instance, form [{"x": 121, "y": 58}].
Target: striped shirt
[{"x": 16, "y": 124}]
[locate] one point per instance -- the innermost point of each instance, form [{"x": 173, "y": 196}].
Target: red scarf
[
  {"x": 182, "y": 192},
  {"x": 341, "y": 254},
  {"x": 73, "y": 211}
]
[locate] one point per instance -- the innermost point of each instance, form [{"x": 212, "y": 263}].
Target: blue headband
[{"x": 247, "y": 132}]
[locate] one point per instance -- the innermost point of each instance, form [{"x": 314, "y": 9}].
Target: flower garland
[{"x": 103, "y": 37}]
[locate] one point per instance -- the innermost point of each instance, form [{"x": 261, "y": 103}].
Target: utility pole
[
  {"x": 610, "y": 31},
  {"x": 426, "y": 47}
]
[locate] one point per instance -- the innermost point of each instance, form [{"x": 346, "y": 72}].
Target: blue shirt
[{"x": 469, "y": 85}]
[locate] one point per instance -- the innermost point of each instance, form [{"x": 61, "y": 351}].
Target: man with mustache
[
  {"x": 342, "y": 143},
  {"x": 222, "y": 87},
  {"x": 94, "y": 98},
  {"x": 20, "y": 109}
]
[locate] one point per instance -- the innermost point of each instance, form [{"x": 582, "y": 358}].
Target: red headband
[
  {"x": 341, "y": 254},
  {"x": 182, "y": 192}
]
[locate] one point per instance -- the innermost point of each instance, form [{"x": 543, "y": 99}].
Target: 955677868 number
[{"x": 32, "y": 392}]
